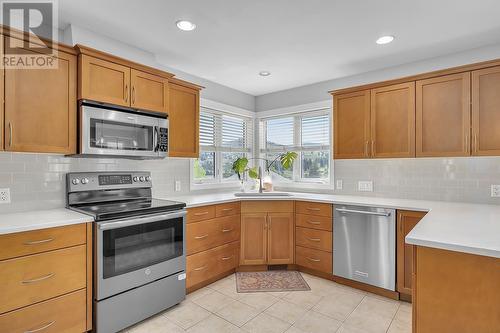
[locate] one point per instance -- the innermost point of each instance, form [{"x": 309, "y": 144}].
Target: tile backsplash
[
  {"x": 37, "y": 181},
  {"x": 461, "y": 179}
]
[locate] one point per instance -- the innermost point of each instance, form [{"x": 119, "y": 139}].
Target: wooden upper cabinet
[
  {"x": 443, "y": 116},
  {"x": 148, "y": 91},
  {"x": 393, "y": 121},
  {"x": 103, "y": 81},
  {"x": 184, "y": 119},
  {"x": 406, "y": 221},
  {"x": 281, "y": 241},
  {"x": 486, "y": 112},
  {"x": 253, "y": 239},
  {"x": 40, "y": 106},
  {"x": 351, "y": 114}
]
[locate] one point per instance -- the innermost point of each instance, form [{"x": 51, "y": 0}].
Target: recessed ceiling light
[
  {"x": 264, "y": 73},
  {"x": 385, "y": 40},
  {"x": 185, "y": 25}
]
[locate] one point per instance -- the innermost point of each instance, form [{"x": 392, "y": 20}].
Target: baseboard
[
  {"x": 405, "y": 297},
  {"x": 367, "y": 287},
  {"x": 209, "y": 281}
]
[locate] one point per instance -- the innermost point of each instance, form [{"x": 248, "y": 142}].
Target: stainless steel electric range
[{"x": 139, "y": 246}]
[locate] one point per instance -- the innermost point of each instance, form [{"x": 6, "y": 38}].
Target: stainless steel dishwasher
[{"x": 364, "y": 245}]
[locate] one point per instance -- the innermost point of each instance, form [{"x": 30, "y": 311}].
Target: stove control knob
[
  {"x": 136, "y": 179},
  {"x": 148, "y": 178},
  {"x": 141, "y": 178},
  {"x": 75, "y": 181},
  {"x": 85, "y": 181}
]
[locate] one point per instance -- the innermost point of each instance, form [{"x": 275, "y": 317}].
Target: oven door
[
  {"x": 118, "y": 133},
  {"x": 133, "y": 252}
]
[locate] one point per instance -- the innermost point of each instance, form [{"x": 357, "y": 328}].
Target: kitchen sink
[{"x": 263, "y": 194}]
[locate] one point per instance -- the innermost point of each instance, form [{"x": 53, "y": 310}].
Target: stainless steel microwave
[{"x": 113, "y": 132}]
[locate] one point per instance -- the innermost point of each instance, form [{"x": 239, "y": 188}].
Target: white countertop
[
  {"x": 40, "y": 219},
  {"x": 462, "y": 227}
]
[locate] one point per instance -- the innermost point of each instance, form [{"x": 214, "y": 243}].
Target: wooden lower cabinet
[
  {"x": 280, "y": 239},
  {"x": 206, "y": 265},
  {"x": 406, "y": 221},
  {"x": 63, "y": 314},
  {"x": 314, "y": 259},
  {"x": 314, "y": 239},
  {"x": 455, "y": 292},
  {"x": 253, "y": 239},
  {"x": 46, "y": 280},
  {"x": 204, "y": 235}
]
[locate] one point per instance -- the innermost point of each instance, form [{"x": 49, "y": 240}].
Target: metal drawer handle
[
  {"x": 41, "y": 328},
  {"x": 133, "y": 94},
  {"x": 126, "y": 93},
  {"x": 313, "y": 209},
  {"x": 314, "y": 239},
  {"x": 48, "y": 276},
  {"x": 200, "y": 237},
  {"x": 313, "y": 222},
  {"x": 227, "y": 258},
  {"x": 343, "y": 210},
  {"x": 200, "y": 268},
  {"x": 314, "y": 260},
  {"x": 200, "y": 214},
  {"x": 39, "y": 241},
  {"x": 227, "y": 209},
  {"x": 227, "y": 230}
]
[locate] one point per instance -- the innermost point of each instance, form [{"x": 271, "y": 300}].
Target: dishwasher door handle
[{"x": 343, "y": 210}]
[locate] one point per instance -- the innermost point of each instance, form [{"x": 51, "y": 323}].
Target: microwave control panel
[{"x": 163, "y": 139}]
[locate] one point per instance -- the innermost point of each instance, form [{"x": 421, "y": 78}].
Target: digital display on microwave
[{"x": 115, "y": 179}]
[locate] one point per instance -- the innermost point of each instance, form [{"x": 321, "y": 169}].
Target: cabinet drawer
[
  {"x": 35, "y": 278},
  {"x": 314, "y": 222},
  {"x": 204, "y": 235},
  {"x": 36, "y": 241},
  {"x": 64, "y": 314},
  {"x": 313, "y": 259},
  {"x": 227, "y": 209},
  {"x": 314, "y": 239},
  {"x": 266, "y": 206},
  {"x": 200, "y": 213},
  {"x": 313, "y": 208},
  {"x": 205, "y": 265}
]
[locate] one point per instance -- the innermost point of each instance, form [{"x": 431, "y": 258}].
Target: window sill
[{"x": 214, "y": 186}]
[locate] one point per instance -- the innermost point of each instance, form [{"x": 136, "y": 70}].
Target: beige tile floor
[{"x": 329, "y": 307}]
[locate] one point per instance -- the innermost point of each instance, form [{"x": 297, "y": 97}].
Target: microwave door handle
[
  {"x": 155, "y": 138},
  {"x": 140, "y": 220}
]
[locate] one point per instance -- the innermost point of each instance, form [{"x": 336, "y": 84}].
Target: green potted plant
[{"x": 240, "y": 167}]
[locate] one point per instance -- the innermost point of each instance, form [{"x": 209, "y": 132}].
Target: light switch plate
[
  {"x": 495, "y": 191},
  {"x": 339, "y": 184},
  {"x": 4, "y": 195},
  {"x": 365, "y": 186},
  {"x": 177, "y": 186}
]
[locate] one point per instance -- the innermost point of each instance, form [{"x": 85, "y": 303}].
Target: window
[
  {"x": 308, "y": 134},
  {"x": 223, "y": 138}
]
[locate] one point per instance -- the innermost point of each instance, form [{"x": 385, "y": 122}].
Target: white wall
[
  {"x": 216, "y": 92},
  {"x": 319, "y": 91}
]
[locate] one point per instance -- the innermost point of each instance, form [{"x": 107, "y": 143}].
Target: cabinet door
[
  {"x": 486, "y": 112},
  {"x": 405, "y": 223},
  {"x": 253, "y": 239},
  {"x": 184, "y": 121},
  {"x": 40, "y": 107},
  {"x": 393, "y": 121},
  {"x": 280, "y": 238},
  {"x": 443, "y": 116},
  {"x": 148, "y": 92},
  {"x": 104, "y": 81},
  {"x": 351, "y": 119}
]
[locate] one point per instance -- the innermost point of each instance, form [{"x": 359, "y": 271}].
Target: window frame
[
  {"x": 218, "y": 181},
  {"x": 297, "y": 179}
]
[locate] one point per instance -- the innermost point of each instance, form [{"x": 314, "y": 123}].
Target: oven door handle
[{"x": 140, "y": 220}]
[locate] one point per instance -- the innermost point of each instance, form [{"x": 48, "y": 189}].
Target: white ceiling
[{"x": 299, "y": 41}]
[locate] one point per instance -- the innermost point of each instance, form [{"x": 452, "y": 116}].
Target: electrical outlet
[
  {"x": 339, "y": 184},
  {"x": 177, "y": 186},
  {"x": 365, "y": 186},
  {"x": 4, "y": 195},
  {"x": 495, "y": 191}
]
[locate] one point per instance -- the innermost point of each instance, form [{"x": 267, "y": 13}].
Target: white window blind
[{"x": 315, "y": 132}]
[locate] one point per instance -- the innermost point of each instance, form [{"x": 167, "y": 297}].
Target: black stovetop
[{"x": 127, "y": 208}]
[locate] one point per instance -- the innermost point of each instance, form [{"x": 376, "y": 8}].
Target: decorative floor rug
[{"x": 249, "y": 282}]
